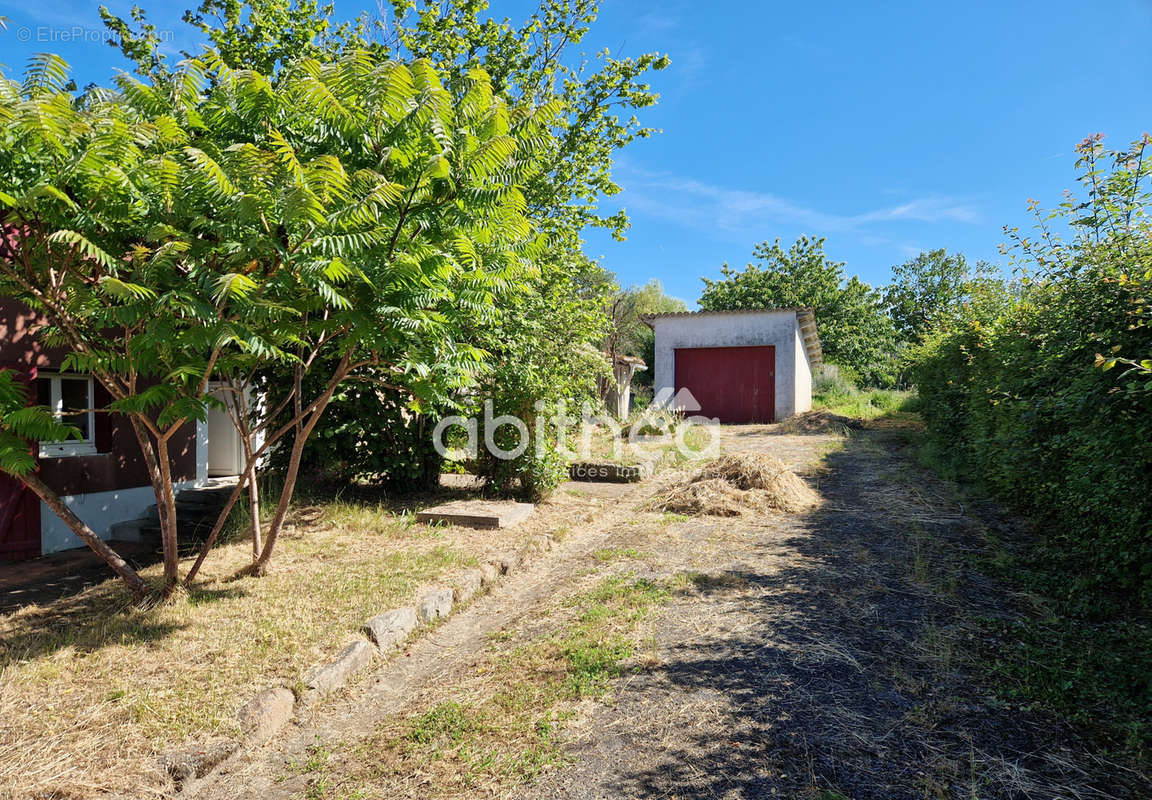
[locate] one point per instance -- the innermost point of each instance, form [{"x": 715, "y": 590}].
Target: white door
[{"x": 225, "y": 454}]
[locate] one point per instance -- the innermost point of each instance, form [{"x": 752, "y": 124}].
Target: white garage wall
[
  {"x": 803, "y": 393},
  {"x": 739, "y": 329}
]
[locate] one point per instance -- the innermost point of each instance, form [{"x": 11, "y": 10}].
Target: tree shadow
[
  {"x": 94, "y": 618},
  {"x": 454, "y": 487},
  {"x": 46, "y": 579},
  {"x": 85, "y": 622},
  {"x": 859, "y": 676}
]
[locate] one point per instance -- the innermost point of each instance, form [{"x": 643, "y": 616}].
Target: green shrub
[
  {"x": 368, "y": 434},
  {"x": 1016, "y": 399},
  {"x": 1016, "y": 404},
  {"x": 834, "y": 386}
]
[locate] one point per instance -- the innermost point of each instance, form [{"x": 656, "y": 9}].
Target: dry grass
[
  {"x": 709, "y": 498},
  {"x": 92, "y": 689},
  {"x": 819, "y": 421},
  {"x": 738, "y": 484}
]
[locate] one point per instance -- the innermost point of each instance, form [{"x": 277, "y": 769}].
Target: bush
[
  {"x": 544, "y": 358},
  {"x": 369, "y": 435},
  {"x": 1016, "y": 404},
  {"x": 1016, "y": 399},
  {"x": 834, "y": 385},
  {"x": 530, "y": 476}
]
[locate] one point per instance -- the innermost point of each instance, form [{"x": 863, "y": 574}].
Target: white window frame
[{"x": 69, "y": 447}]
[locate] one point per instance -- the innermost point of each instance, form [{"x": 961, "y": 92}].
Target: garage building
[{"x": 739, "y": 366}]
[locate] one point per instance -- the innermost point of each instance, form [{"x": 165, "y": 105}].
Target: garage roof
[{"x": 805, "y": 315}]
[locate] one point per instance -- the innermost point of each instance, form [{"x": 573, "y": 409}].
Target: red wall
[{"x": 118, "y": 463}]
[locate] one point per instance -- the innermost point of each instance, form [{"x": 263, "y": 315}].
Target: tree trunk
[
  {"x": 130, "y": 577},
  {"x": 167, "y": 507},
  {"x": 301, "y": 438},
  {"x": 242, "y": 422},
  {"x": 211, "y": 540},
  {"x": 253, "y": 501},
  {"x": 160, "y": 475}
]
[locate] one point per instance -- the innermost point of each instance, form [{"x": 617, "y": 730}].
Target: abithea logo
[{"x": 664, "y": 414}]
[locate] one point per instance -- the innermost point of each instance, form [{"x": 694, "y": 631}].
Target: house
[
  {"x": 738, "y": 366},
  {"x": 101, "y": 476}
]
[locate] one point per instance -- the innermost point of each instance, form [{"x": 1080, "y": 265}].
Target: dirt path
[{"x": 827, "y": 656}]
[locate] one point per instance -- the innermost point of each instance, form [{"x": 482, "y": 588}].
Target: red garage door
[{"x": 733, "y": 384}]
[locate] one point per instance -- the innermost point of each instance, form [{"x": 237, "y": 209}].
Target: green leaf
[
  {"x": 233, "y": 285},
  {"x": 87, "y": 248},
  {"x": 114, "y": 287}
]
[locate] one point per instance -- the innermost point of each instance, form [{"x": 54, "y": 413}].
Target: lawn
[
  {"x": 841, "y": 396},
  {"x": 93, "y": 690}
]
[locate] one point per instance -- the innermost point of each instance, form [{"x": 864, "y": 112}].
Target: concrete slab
[
  {"x": 478, "y": 513},
  {"x": 610, "y": 472}
]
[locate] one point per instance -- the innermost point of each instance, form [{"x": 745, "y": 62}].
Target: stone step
[
  {"x": 205, "y": 496},
  {"x": 197, "y": 510},
  {"x": 131, "y": 530},
  {"x": 185, "y": 510}
]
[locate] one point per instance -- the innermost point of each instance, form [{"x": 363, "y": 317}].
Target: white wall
[
  {"x": 739, "y": 329},
  {"x": 803, "y": 388},
  {"x": 99, "y": 511}
]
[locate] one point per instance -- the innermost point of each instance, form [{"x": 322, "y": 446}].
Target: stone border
[{"x": 269, "y": 711}]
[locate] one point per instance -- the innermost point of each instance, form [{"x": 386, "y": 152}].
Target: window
[{"x": 69, "y": 397}]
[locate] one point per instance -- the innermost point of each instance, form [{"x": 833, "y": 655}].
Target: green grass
[
  {"x": 501, "y": 727},
  {"x": 613, "y": 553},
  {"x": 866, "y": 403},
  {"x": 1094, "y": 671}
]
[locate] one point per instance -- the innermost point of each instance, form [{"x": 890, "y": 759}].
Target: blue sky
[{"x": 886, "y": 127}]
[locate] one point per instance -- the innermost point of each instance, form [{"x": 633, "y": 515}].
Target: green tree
[
  {"x": 594, "y": 118},
  {"x": 854, "y": 329},
  {"x": 90, "y": 183},
  {"x": 928, "y": 289},
  {"x": 340, "y": 215},
  {"x": 259, "y": 35},
  {"x": 597, "y": 97},
  {"x": 545, "y": 356},
  {"x": 628, "y": 334}
]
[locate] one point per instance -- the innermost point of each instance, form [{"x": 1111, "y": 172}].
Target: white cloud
[{"x": 697, "y": 204}]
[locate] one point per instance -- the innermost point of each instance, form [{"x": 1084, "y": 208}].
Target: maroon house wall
[{"x": 118, "y": 462}]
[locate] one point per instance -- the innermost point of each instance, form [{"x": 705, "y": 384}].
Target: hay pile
[
  {"x": 819, "y": 422},
  {"x": 739, "y": 484}
]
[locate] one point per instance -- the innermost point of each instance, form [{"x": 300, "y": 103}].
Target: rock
[
  {"x": 198, "y": 760},
  {"x": 330, "y": 677},
  {"x": 506, "y": 563},
  {"x": 389, "y": 629},
  {"x": 489, "y": 574},
  {"x": 433, "y": 605},
  {"x": 266, "y": 713},
  {"x": 469, "y": 584}
]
